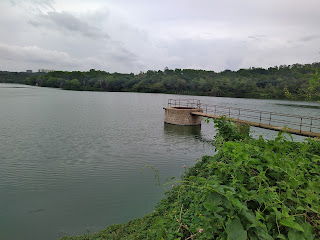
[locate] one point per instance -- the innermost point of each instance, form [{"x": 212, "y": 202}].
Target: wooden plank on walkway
[{"x": 262, "y": 125}]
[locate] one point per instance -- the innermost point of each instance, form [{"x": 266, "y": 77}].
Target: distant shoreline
[{"x": 284, "y": 82}]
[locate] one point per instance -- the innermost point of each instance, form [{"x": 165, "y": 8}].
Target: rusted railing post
[
  {"x": 270, "y": 119},
  {"x": 260, "y": 117}
]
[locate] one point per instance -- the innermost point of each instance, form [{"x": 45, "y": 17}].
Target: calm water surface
[{"x": 72, "y": 162}]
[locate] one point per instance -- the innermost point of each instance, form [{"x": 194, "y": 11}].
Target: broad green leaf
[
  {"x": 238, "y": 163},
  {"x": 229, "y": 188},
  {"x": 214, "y": 197},
  {"x": 300, "y": 208},
  {"x": 202, "y": 179},
  {"x": 238, "y": 204},
  {"x": 219, "y": 217},
  {"x": 259, "y": 215},
  {"x": 209, "y": 206},
  {"x": 289, "y": 222},
  {"x": 254, "y": 161},
  {"x": 308, "y": 231},
  {"x": 220, "y": 189},
  {"x": 235, "y": 230},
  {"x": 212, "y": 182},
  {"x": 295, "y": 235},
  {"x": 229, "y": 194},
  {"x": 263, "y": 235},
  {"x": 249, "y": 216},
  {"x": 281, "y": 236},
  {"x": 218, "y": 209},
  {"x": 252, "y": 236}
]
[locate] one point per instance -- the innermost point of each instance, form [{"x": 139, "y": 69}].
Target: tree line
[{"x": 285, "y": 81}]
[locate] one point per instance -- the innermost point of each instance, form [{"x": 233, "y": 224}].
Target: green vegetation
[
  {"x": 311, "y": 92},
  {"x": 14, "y": 77},
  {"x": 295, "y": 81},
  {"x": 314, "y": 88},
  {"x": 250, "y": 189}
]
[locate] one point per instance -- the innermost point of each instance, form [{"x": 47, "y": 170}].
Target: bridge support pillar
[{"x": 182, "y": 116}]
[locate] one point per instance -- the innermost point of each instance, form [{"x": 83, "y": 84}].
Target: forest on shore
[{"x": 284, "y": 81}]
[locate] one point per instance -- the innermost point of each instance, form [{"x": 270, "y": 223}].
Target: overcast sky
[{"x": 139, "y": 35}]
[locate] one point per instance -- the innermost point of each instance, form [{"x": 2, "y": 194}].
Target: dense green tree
[
  {"x": 300, "y": 81},
  {"x": 314, "y": 86},
  {"x": 73, "y": 84}
]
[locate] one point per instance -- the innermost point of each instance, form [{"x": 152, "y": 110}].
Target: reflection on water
[{"x": 178, "y": 130}]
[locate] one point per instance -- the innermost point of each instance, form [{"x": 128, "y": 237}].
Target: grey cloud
[
  {"x": 122, "y": 54},
  {"x": 119, "y": 58},
  {"x": 214, "y": 54},
  {"x": 32, "y": 53},
  {"x": 33, "y": 57},
  {"x": 34, "y": 5},
  {"x": 67, "y": 23},
  {"x": 93, "y": 42},
  {"x": 309, "y": 38},
  {"x": 44, "y": 4},
  {"x": 115, "y": 58},
  {"x": 132, "y": 36},
  {"x": 257, "y": 37}
]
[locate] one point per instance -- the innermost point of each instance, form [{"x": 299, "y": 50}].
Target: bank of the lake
[
  {"x": 297, "y": 81},
  {"x": 251, "y": 189},
  {"x": 72, "y": 161}
]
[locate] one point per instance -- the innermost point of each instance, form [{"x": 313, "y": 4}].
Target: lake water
[{"x": 75, "y": 162}]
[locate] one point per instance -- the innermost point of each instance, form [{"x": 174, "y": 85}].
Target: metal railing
[
  {"x": 187, "y": 103},
  {"x": 303, "y": 123}
]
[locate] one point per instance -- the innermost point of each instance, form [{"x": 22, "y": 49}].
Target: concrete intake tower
[{"x": 179, "y": 112}]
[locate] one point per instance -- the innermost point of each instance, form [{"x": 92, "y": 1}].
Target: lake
[{"x": 75, "y": 162}]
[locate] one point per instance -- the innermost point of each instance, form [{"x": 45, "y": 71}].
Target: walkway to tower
[{"x": 295, "y": 124}]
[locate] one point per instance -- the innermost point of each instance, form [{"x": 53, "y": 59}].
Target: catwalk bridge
[{"x": 190, "y": 111}]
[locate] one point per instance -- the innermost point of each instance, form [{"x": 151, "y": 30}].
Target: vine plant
[{"x": 251, "y": 189}]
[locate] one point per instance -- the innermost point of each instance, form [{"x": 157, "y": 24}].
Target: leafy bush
[
  {"x": 228, "y": 131},
  {"x": 256, "y": 189}
]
